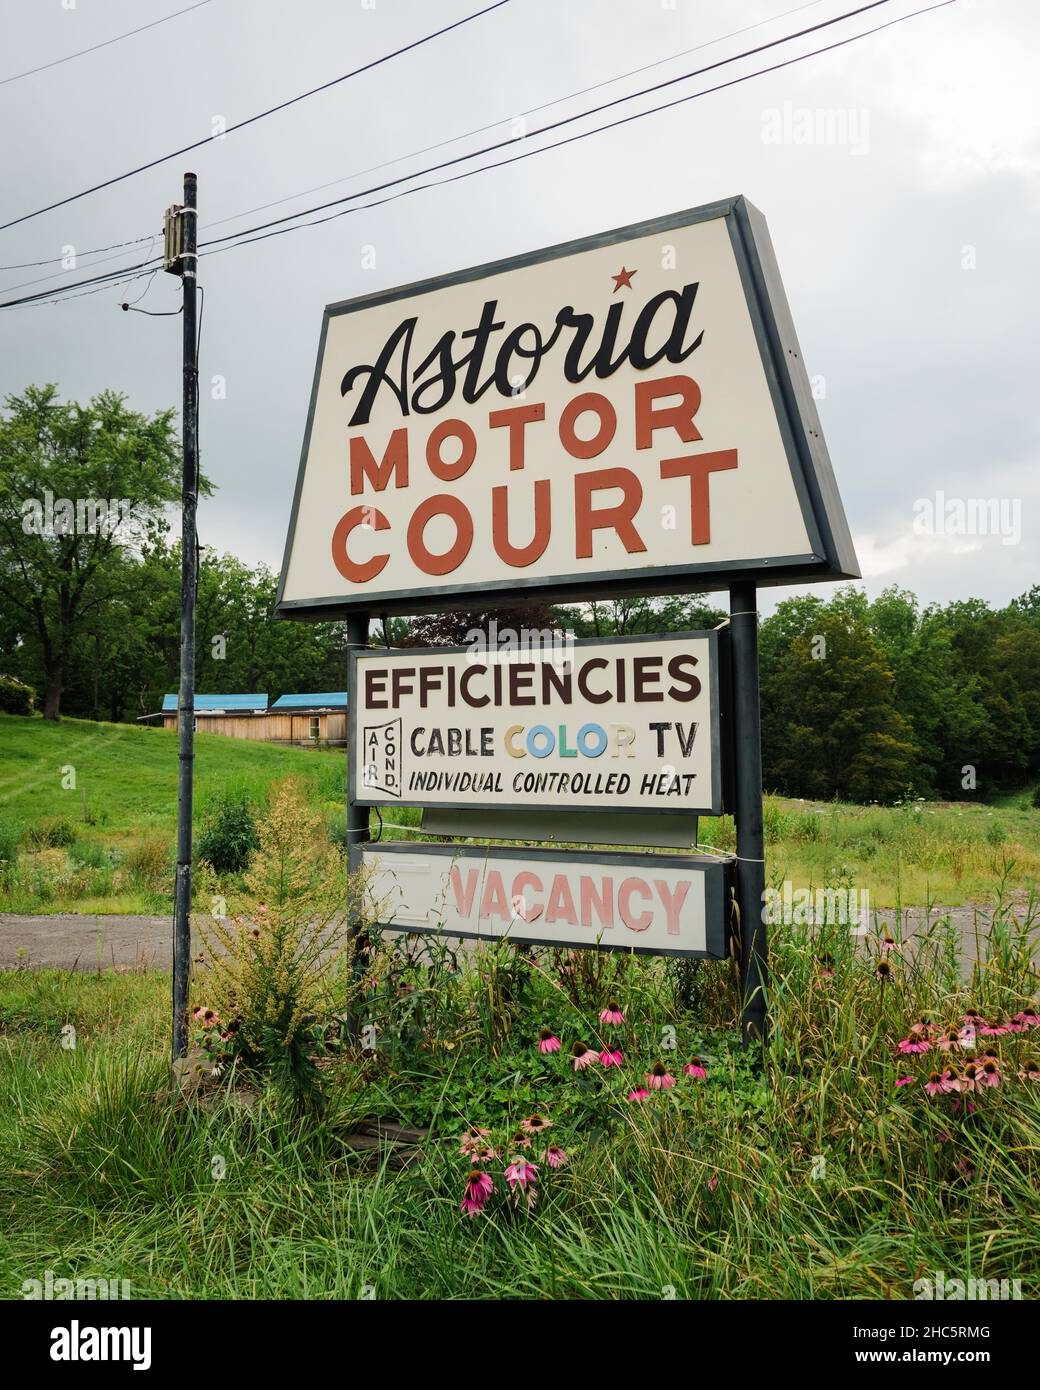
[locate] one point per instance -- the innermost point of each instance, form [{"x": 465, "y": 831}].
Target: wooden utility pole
[{"x": 182, "y": 231}]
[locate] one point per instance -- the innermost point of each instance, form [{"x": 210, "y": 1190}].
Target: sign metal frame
[
  {"x": 718, "y": 777},
  {"x": 717, "y": 880},
  {"x": 832, "y": 555}
]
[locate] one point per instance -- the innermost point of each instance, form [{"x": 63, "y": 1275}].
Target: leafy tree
[{"x": 60, "y": 556}]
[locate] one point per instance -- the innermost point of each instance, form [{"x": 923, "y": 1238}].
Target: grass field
[
  {"x": 126, "y": 776},
  {"x": 824, "y": 1178}
]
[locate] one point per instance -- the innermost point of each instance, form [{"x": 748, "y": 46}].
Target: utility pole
[{"x": 181, "y": 259}]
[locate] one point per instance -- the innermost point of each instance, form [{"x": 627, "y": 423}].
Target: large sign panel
[
  {"x": 630, "y": 724},
  {"x": 666, "y": 905},
  {"x": 628, "y": 413}
]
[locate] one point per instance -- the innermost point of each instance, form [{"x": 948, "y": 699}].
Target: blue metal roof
[
  {"x": 321, "y": 699},
  {"x": 237, "y": 703}
]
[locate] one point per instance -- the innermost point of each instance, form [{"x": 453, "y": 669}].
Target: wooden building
[{"x": 318, "y": 717}]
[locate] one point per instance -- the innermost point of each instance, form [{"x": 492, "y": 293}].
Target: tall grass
[{"x": 817, "y": 1178}]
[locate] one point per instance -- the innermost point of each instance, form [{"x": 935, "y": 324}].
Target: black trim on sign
[
  {"x": 832, "y": 556},
  {"x": 717, "y": 873},
  {"x": 714, "y": 808}
]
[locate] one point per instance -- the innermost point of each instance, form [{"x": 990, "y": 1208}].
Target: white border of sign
[
  {"x": 831, "y": 556},
  {"x": 709, "y": 802},
  {"x": 714, "y": 872}
]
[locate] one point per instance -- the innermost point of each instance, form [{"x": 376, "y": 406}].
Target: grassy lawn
[
  {"x": 122, "y": 857},
  {"x": 823, "y": 1179}
]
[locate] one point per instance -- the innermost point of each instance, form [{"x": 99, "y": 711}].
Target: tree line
[{"x": 861, "y": 699}]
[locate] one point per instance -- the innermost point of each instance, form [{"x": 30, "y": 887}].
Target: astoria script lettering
[{"x": 591, "y": 348}]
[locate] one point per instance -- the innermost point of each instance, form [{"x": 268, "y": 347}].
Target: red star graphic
[{"x": 623, "y": 278}]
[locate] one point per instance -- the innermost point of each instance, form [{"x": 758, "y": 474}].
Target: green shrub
[
  {"x": 229, "y": 836},
  {"x": 88, "y": 854},
  {"x": 15, "y": 698},
  {"x": 148, "y": 862},
  {"x": 53, "y": 832}
]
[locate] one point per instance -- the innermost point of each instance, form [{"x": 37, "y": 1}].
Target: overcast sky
[{"x": 907, "y": 244}]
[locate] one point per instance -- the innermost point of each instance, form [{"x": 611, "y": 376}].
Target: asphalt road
[{"x": 144, "y": 943}]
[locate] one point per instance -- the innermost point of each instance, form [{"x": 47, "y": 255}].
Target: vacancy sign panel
[
  {"x": 621, "y": 414},
  {"x": 631, "y": 724},
  {"x": 648, "y": 903}
]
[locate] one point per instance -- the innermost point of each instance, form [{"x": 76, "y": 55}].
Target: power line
[
  {"x": 29, "y": 72},
  {"x": 244, "y": 238},
  {"x": 260, "y": 115},
  {"x": 529, "y": 111},
  {"x": 555, "y": 125},
  {"x": 426, "y": 149},
  {"x": 557, "y": 144}
]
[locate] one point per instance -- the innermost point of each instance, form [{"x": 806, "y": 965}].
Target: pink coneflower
[
  {"x": 641, "y": 1094},
  {"x": 951, "y": 1078},
  {"x": 205, "y": 1018},
  {"x": 904, "y": 1080},
  {"x": 993, "y": 1030},
  {"x": 612, "y": 1057},
  {"x": 826, "y": 964},
  {"x": 534, "y": 1124},
  {"x": 555, "y": 1156},
  {"x": 935, "y": 1085},
  {"x": 548, "y": 1041},
  {"x": 658, "y": 1078},
  {"x": 964, "y": 1167},
  {"x": 973, "y": 1018},
  {"x": 913, "y": 1045},
  {"x": 713, "y": 1182},
  {"x": 696, "y": 1069},
  {"x": 583, "y": 1056},
  {"x": 1029, "y": 1017},
  {"x": 971, "y": 1078},
  {"x": 473, "y": 1140},
  {"x": 479, "y": 1188},
  {"x": 922, "y": 1027},
  {"x": 990, "y": 1074},
  {"x": 887, "y": 945},
  {"x": 520, "y": 1173},
  {"x": 1030, "y": 1072},
  {"x": 612, "y": 1014},
  {"x": 519, "y": 1141}
]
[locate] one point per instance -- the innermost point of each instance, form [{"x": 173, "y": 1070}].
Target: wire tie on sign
[{"x": 745, "y": 613}]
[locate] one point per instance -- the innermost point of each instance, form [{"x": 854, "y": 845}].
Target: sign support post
[
  {"x": 747, "y": 778},
  {"x": 189, "y": 578},
  {"x": 357, "y": 816}
]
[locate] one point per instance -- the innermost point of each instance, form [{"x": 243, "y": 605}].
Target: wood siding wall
[{"x": 270, "y": 728}]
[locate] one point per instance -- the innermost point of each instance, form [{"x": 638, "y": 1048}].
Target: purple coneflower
[
  {"x": 913, "y": 1045},
  {"x": 695, "y": 1068},
  {"x": 658, "y": 1078},
  {"x": 640, "y": 1094},
  {"x": 548, "y": 1041},
  {"x": 520, "y": 1173},
  {"x": 990, "y": 1074},
  {"x": 583, "y": 1056},
  {"x": 935, "y": 1085},
  {"x": 611, "y": 1057},
  {"x": 555, "y": 1156},
  {"x": 612, "y": 1014},
  {"x": 904, "y": 1080},
  {"x": 479, "y": 1188},
  {"x": 534, "y": 1124}
]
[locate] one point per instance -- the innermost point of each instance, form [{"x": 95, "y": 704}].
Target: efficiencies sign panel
[
  {"x": 627, "y": 413},
  {"x": 630, "y": 724},
  {"x": 664, "y": 905}
]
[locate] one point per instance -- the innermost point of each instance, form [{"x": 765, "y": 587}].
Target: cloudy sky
[{"x": 906, "y": 239}]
